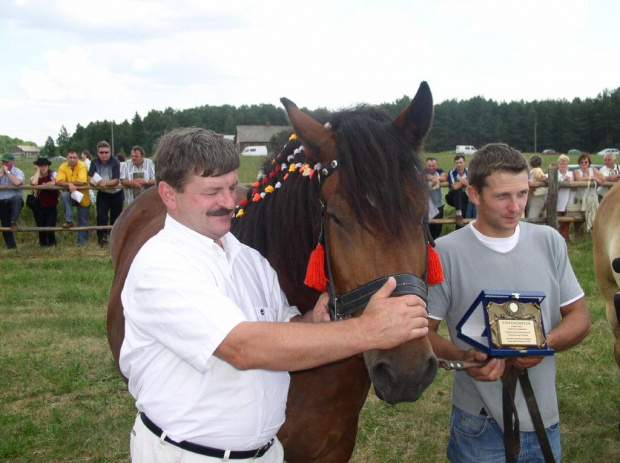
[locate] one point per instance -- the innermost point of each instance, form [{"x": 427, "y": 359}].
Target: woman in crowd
[
  {"x": 584, "y": 195},
  {"x": 46, "y": 211},
  {"x": 538, "y": 195},
  {"x": 565, "y": 195}
]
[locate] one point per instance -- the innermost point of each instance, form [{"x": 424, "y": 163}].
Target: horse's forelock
[{"x": 375, "y": 162}]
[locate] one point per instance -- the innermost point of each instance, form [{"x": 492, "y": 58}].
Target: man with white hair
[{"x": 610, "y": 172}]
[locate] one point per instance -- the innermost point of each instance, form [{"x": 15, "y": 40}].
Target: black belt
[{"x": 207, "y": 451}]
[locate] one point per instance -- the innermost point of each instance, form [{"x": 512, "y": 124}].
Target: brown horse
[
  {"x": 606, "y": 241},
  {"x": 370, "y": 206}
]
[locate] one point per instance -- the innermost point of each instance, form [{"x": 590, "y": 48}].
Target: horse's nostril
[{"x": 384, "y": 373}]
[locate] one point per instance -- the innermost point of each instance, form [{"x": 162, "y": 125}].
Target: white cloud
[{"x": 76, "y": 61}]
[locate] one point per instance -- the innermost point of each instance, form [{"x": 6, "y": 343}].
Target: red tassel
[
  {"x": 434, "y": 271},
  {"x": 315, "y": 274}
]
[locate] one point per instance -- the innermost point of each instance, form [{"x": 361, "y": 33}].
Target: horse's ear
[
  {"x": 319, "y": 142},
  {"x": 416, "y": 119}
]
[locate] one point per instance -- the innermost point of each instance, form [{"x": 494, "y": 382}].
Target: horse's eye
[{"x": 335, "y": 219}]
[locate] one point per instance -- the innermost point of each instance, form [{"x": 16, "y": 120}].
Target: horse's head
[{"x": 375, "y": 201}]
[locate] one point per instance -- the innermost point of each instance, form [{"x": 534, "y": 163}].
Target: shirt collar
[{"x": 231, "y": 244}]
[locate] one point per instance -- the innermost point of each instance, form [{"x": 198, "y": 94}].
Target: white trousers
[{"x": 146, "y": 447}]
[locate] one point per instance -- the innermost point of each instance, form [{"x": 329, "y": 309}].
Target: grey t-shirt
[{"x": 538, "y": 262}]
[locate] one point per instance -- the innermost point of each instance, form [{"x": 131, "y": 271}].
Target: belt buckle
[{"x": 264, "y": 447}]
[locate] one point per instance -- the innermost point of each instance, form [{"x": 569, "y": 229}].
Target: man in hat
[
  {"x": 11, "y": 201},
  {"x": 72, "y": 174}
]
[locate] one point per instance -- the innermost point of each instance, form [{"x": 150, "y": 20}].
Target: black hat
[{"x": 43, "y": 161}]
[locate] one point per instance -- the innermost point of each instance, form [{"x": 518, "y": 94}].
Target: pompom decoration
[
  {"x": 243, "y": 202},
  {"x": 434, "y": 271},
  {"x": 269, "y": 189},
  {"x": 315, "y": 274},
  {"x": 256, "y": 197},
  {"x": 240, "y": 213}
]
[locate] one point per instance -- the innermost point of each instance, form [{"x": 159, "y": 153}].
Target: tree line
[{"x": 588, "y": 125}]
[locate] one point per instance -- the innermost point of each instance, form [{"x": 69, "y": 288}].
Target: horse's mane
[{"x": 374, "y": 161}]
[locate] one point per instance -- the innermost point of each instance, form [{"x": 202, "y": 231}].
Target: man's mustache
[{"x": 220, "y": 212}]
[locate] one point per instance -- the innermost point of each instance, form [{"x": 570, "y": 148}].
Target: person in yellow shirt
[{"x": 72, "y": 174}]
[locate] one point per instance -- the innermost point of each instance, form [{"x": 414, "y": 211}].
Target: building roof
[
  {"x": 26, "y": 149},
  {"x": 258, "y": 133}
]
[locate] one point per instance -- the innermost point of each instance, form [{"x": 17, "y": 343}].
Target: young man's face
[
  {"x": 501, "y": 203},
  {"x": 460, "y": 164},
  {"x": 205, "y": 206}
]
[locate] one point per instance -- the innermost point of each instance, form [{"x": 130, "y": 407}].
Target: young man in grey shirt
[{"x": 498, "y": 252}]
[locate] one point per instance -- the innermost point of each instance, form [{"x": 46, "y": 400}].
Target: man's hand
[
  {"x": 71, "y": 187},
  {"x": 528, "y": 362},
  {"x": 101, "y": 183},
  {"x": 392, "y": 321},
  {"x": 320, "y": 313},
  {"x": 490, "y": 372}
]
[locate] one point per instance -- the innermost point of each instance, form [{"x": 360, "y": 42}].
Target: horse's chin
[{"x": 392, "y": 384}]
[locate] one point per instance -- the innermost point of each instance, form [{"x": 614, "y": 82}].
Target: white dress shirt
[{"x": 182, "y": 297}]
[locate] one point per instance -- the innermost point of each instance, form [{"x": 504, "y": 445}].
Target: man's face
[
  {"x": 431, "y": 166},
  {"x": 72, "y": 159},
  {"x": 460, "y": 164},
  {"x": 104, "y": 154},
  {"x": 206, "y": 205},
  {"x": 137, "y": 158},
  {"x": 9, "y": 164},
  {"x": 609, "y": 161},
  {"x": 501, "y": 203}
]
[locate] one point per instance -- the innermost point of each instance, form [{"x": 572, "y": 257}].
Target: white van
[
  {"x": 254, "y": 151},
  {"x": 465, "y": 149}
]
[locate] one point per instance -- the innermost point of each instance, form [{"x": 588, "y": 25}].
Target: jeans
[
  {"x": 82, "y": 212},
  {"x": 480, "y": 439},
  {"x": 46, "y": 216},
  {"x": 111, "y": 203},
  {"x": 9, "y": 212}
]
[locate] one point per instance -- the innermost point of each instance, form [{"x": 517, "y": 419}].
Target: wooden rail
[{"x": 551, "y": 219}]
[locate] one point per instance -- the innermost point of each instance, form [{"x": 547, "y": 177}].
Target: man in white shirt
[
  {"x": 137, "y": 173},
  {"x": 610, "y": 173},
  {"x": 208, "y": 374}
]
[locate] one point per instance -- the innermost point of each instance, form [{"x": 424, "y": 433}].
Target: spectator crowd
[{"x": 104, "y": 171}]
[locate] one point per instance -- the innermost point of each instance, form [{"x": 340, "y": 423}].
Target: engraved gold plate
[{"x": 516, "y": 324}]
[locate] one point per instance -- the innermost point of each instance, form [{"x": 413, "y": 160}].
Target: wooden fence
[{"x": 551, "y": 218}]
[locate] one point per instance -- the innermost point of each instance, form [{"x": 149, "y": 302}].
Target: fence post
[{"x": 552, "y": 196}]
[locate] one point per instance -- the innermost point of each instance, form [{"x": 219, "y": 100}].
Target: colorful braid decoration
[
  {"x": 267, "y": 184},
  {"x": 282, "y": 171}
]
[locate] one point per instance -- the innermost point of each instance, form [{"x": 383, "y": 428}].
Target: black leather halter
[{"x": 341, "y": 306}]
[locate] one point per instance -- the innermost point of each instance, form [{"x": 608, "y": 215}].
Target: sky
[{"x": 69, "y": 62}]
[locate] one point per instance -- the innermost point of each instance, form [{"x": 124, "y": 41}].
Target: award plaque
[{"x": 503, "y": 323}]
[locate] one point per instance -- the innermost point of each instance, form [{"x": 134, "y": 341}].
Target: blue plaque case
[{"x": 474, "y": 327}]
